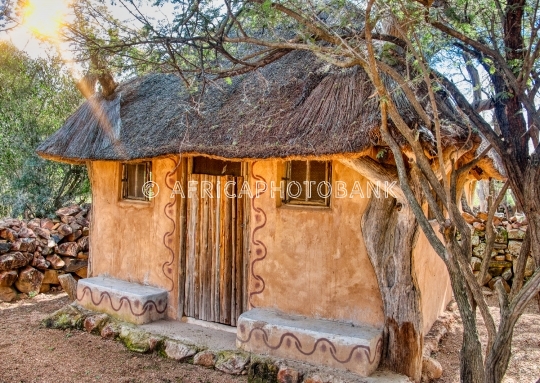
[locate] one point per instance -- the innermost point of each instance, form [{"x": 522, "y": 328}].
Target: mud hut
[{"x": 243, "y": 206}]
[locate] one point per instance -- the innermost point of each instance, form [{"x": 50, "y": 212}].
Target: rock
[
  {"x": 83, "y": 273},
  {"x": 82, "y": 255},
  {"x": 479, "y": 250},
  {"x": 65, "y": 230},
  {"x": 499, "y": 258},
  {"x": 530, "y": 266},
  {"x": 42, "y": 233},
  {"x": 25, "y": 232},
  {"x": 95, "y": 323},
  {"x": 232, "y": 362},
  {"x": 514, "y": 247},
  {"x": 134, "y": 339},
  {"x": 7, "y": 293},
  {"x": 205, "y": 358},
  {"x": 73, "y": 264},
  {"x": 110, "y": 331},
  {"x": 68, "y": 249},
  {"x": 482, "y": 215},
  {"x": 497, "y": 221},
  {"x": 288, "y": 375},
  {"x": 476, "y": 263},
  {"x": 479, "y": 226},
  {"x": 499, "y": 264},
  {"x": 475, "y": 240},
  {"x": 47, "y": 224},
  {"x": 74, "y": 236},
  {"x": 314, "y": 379},
  {"x": 7, "y": 278},
  {"x": 507, "y": 274},
  {"x": 494, "y": 280},
  {"x": 14, "y": 260},
  {"x": 501, "y": 236},
  {"x": 40, "y": 263},
  {"x": 83, "y": 243},
  {"x": 51, "y": 277},
  {"x": 178, "y": 351},
  {"x": 69, "y": 284},
  {"x": 487, "y": 278},
  {"x": 516, "y": 234},
  {"x": 56, "y": 262},
  {"x": 45, "y": 288},
  {"x": 469, "y": 218},
  {"x": 9, "y": 234},
  {"x": 68, "y": 210},
  {"x": 29, "y": 280},
  {"x": 508, "y": 257},
  {"x": 431, "y": 368},
  {"x": 262, "y": 371},
  {"x": 68, "y": 317},
  {"x": 5, "y": 247}
]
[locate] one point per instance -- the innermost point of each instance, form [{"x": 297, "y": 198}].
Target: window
[
  {"x": 214, "y": 167},
  {"x": 134, "y": 176},
  {"x": 307, "y": 183}
]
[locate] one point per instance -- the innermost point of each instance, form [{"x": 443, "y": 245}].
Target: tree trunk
[{"x": 390, "y": 231}]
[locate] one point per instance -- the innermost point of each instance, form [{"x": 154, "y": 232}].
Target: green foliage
[{"x": 36, "y": 96}]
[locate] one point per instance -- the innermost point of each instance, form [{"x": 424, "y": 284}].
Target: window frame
[
  {"x": 124, "y": 180},
  {"x": 286, "y": 199}
]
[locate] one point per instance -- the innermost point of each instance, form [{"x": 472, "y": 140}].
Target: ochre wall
[
  {"x": 136, "y": 241},
  {"x": 312, "y": 261},
  {"x": 433, "y": 280}
]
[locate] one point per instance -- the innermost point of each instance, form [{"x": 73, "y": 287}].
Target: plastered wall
[
  {"x": 312, "y": 260},
  {"x": 135, "y": 241}
]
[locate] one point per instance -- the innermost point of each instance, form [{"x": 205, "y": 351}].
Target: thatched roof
[{"x": 298, "y": 106}]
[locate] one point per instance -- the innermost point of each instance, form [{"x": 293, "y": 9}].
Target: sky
[{"x": 48, "y": 14}]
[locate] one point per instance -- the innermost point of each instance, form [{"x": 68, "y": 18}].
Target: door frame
[{"x": 184, "y": 170}]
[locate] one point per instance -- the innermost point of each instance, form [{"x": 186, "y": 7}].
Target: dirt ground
[
  {"x": 524, "y": 364},
  {"x": 30, "y": 353}
]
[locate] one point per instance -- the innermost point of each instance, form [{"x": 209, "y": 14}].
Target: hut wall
[
  {"x": 136, "y": 241},
  {"x": 433, "y": 281},
  {"x": 311, "y": 261}
]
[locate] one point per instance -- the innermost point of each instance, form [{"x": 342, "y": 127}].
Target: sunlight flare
[{"x": 44, "y": 17}]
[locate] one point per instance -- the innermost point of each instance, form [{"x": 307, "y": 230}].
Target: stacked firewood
[
  {"x": 509, "y": 234},
  {"x": 35, "y": 253}
]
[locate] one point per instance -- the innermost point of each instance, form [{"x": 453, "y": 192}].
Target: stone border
[{"x": 260, "y": 369}]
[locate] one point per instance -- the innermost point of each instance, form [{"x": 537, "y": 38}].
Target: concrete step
[
  {"x": 130, "y": 302},
  {"x": 329, "y": 343}
]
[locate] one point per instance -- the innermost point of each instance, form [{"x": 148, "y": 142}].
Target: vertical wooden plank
[
  {"x": 203, "y": 248},
  {"x": 217, "y": 252},
  {"x": 225, "y": 315},
  {"x": 192, "y": 245},
  {"x": 233, "y": 259},
  {"x": 211, "y": 252},
  {"x": 182, "y": 229},
  {"x": 198, "y": 216}
]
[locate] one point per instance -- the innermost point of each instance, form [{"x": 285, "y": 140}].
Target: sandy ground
[
  {"x": 524, "y": 364},
  {"x": 30, "y": 353}
]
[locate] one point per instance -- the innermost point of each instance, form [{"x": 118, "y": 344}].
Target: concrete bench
[
  {"x": 330, "y": 343},
  {"x": 126, "y": 301}
]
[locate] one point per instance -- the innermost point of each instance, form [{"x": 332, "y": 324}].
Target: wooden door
[{"x": 214, "y": 274}]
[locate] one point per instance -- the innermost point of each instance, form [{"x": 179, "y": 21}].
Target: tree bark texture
[{"x": 390, "y": 232}]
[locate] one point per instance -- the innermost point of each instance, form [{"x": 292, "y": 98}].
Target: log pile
[
  {"x": 509, "y": 236},
  {"x": 34, "y": 253}
]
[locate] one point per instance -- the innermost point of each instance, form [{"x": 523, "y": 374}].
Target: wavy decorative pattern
[
  {"x": 168, "y": 237},
  {"x": 289, "y": 338},
  {"x": 259, "y": 246},
  {"x": 148, "y": 306}
]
